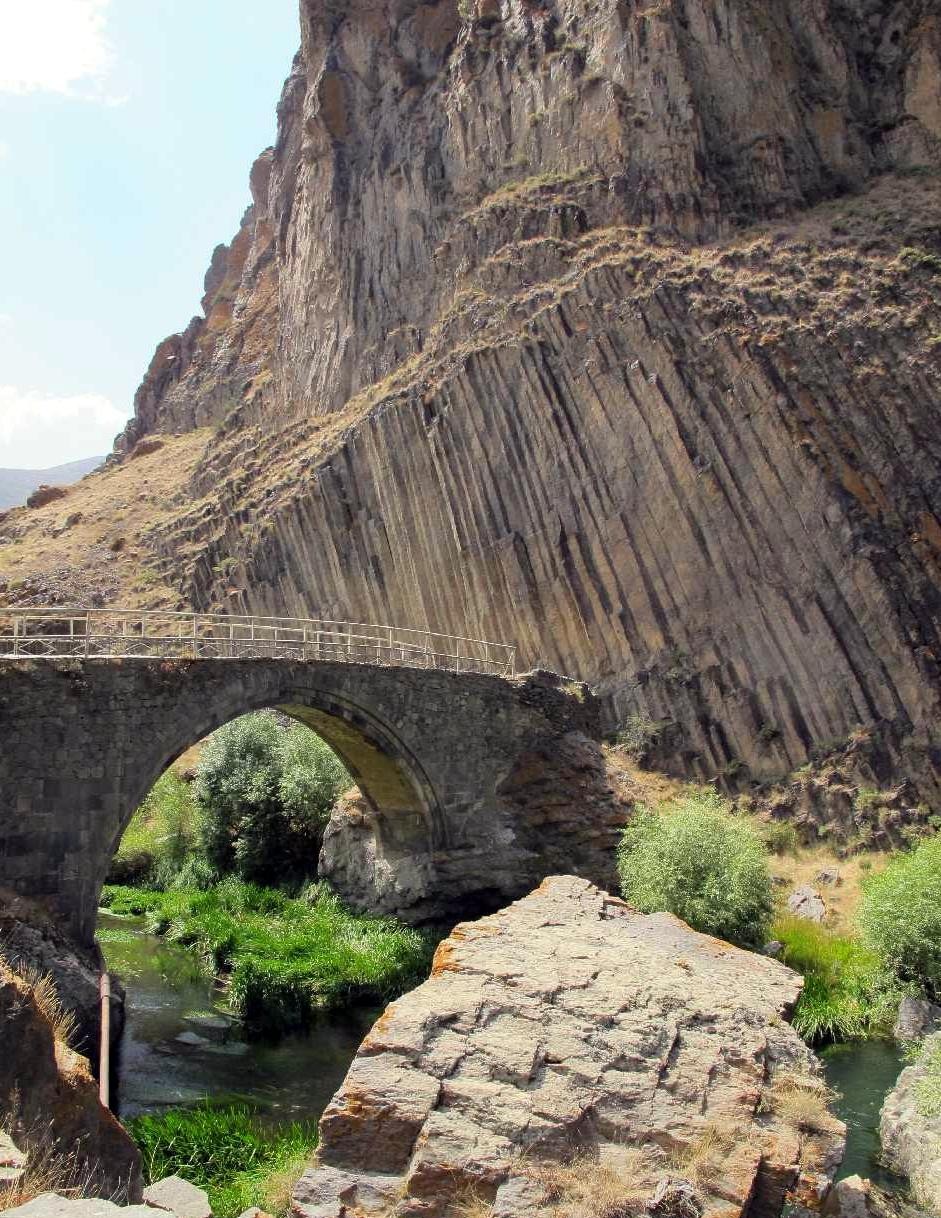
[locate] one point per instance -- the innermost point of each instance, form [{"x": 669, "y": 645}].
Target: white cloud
[
  {"x": 38, "y": 430},
  {"x": 4, "y": 150},
  {"x": 53, "y": 46}
]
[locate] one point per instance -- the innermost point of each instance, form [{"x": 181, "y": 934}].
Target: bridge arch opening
[{"x": 388, "y": 784}]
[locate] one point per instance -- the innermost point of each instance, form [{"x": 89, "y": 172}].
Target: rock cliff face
[
  {"x": 610, "y": 329},
  {"x": 654, "y": 1064}
]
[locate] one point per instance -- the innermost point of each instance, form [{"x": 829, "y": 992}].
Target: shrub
[
  {"x": 266, "y": 794},
  {"x": 780, "y": 837},
  {"x": 847, "y": 992},
  {"x": 161, "y": 836},
  {"x": 695, "y": 859},
  {"x": 227, "y": 1151},
  {"x": 900, "y": 916}
]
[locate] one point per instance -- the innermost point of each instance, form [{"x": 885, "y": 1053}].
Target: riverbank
[{"x": 282, "y": 960}]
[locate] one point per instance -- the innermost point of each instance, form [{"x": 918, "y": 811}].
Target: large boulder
[
  {"x": 911, "y": 1135},
  {"x": 568, "y": 1047}
]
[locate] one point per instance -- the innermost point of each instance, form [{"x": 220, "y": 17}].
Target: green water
[
  {"x": 292, "y": 1080},
  {"x": 862, "y": 1074}
]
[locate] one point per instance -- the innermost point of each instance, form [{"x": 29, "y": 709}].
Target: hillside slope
[
  {"x": 16, "y": 485},
  {"x": 612, "y": 328}
]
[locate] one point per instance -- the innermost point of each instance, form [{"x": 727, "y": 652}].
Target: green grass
[
  {"x": 848, "y": 995},
  {"x": 928, "y": 1087},
  {"x": 284, "y": 958},
  {"x": 227, "y": 1151}
]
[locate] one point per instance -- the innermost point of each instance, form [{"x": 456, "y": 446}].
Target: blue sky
[{"x": 127, "y": 130}]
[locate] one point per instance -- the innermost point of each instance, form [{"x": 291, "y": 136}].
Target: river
[{"x": 168, "y": 996}]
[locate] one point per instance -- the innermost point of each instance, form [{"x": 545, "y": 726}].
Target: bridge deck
[{"x": 64, "y": 632}]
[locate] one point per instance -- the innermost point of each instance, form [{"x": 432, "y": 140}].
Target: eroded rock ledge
[{"x": 568, "y": 1028}]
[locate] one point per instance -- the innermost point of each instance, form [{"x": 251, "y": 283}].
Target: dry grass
[
  {"x": 802, "y": 1101},
  {"x": 48, "y": 1171},
  {"x": 609, "y": 1187},
  {"x": 46, "y": 997},
  {"x": 842, "y": 900},
  {"x": 704, "y": 1160}
]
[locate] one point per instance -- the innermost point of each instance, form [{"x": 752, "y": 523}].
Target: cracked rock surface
[{"x": 571, "y": 1028}]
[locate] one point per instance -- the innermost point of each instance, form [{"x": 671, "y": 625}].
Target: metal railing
[{"x": 59, "y": 633}]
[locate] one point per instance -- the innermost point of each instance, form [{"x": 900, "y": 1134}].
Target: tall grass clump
[
  {"x": 693, "y": 857},
  {"x": 285, "y": 958},
  {"x": 848, "y": 994},
  {"x": 228, "y": 1151},
  {"x": 900, "y": 916}
]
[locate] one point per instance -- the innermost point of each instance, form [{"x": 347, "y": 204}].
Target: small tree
[
  {"x": 693, "y": 858},
  {"x": 266, "y": 793},
  {"x": 900, "y": 916}
]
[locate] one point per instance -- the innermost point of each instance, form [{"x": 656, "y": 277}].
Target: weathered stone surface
[
  {"x": 499, "y": 349},
  {"x": 570, "y": 1025},
  {"x": 52, "y": 1205},
  {"x": 473, "y": 787},
  {"x": 911, "y": 1142},
  {"x": 849, "y": 1198},
  {"x": 806, "y": 902},
  {"x": 917, "y": 1017},
  {"x": 179, "y": 1197},
  {"x": 49, "y": 1099}
]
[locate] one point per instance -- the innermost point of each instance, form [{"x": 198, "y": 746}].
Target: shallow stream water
[
  {"x": 862, "y": 1074},
  {"x": 167, "y": 994}
]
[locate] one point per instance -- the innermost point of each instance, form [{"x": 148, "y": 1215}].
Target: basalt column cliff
[{"x": 609, "y": 327}]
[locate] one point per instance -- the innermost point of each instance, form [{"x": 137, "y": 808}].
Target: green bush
[
  {"x": 694, "y": 858},
  {"x": 226, "y": 1150},
  {"x": 928, "y": 1087},
  {"x": 847, "y": 992},
  {"x": 900, "y": 916},
  {"x": 285, "y": 958},
  {"x": 780, "y": 837},
  {"x": 266, "y": 792}
]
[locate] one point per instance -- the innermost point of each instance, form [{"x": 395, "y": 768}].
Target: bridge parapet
[{"x": 64, "y": 632}]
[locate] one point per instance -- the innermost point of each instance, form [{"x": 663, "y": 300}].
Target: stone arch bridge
[{"x": 474, "y": 784}]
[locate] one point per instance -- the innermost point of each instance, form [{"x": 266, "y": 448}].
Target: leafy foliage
[
  {"x": 266, "y": 794},
  {"x": 847, "y": 993},
  {"x": 226, "y": 1150},
  {"x": 694, "y": 858},
  {"x": 161, "y": 836},
  {"x": 900, "y": 916},
  {"x": 285, "y": 958}
]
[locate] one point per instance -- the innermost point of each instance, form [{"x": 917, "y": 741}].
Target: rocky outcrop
[
  {"x": 569, "y": 1044},
  {"x": 30, "y": 937},
  {"x": 49, "y": 1099},
  {"x": 607, "y": 329},
  {"x": 910, "y": 1126},
  {"x": 917, "y": 1018}
]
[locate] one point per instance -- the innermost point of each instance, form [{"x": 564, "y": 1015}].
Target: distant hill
[{"x": 17, "y": 484}]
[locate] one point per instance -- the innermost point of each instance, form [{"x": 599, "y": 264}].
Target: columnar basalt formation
[
  {"x": 443, "y": 761},
  {"x": 611, "y": 329},
  {"x": 571, "y": 1028}
]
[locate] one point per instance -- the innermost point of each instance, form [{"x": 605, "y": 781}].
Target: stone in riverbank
[
  {"x": 911, "y": 1141},
  {"x": 570, "y": 1025}
]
